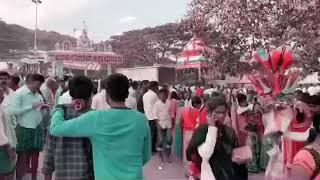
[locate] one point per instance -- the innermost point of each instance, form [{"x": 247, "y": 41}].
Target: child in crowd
[
  {"x": 71, "y": 158},
  {"x": 162, "y": 112}
]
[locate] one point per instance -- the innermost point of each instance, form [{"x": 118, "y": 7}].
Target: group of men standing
[{"x": 36, "y": 118}]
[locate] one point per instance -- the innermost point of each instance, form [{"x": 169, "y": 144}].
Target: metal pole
[{"x": 36, "y": 27}]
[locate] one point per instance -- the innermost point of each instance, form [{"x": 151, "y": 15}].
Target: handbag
[{"x": 242, "y": 155}]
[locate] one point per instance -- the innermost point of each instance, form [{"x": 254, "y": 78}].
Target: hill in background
[
  {"x": 16, "y": 37},
  {"x": 140, "y": 47}
]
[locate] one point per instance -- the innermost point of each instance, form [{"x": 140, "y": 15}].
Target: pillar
[
  {"x": 109, "y": 69},
  {"x": 57, "y": 69},
  {"x": 41, "y": 68},
  {"x": 99, "y": 85}
]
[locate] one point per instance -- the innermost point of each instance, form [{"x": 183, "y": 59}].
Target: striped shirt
[{"x": 69, "y": 158}]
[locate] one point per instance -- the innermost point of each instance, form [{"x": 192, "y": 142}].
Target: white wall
[
  {"x": 140, "y": 74},
  {"x": 3, "y": 66}
]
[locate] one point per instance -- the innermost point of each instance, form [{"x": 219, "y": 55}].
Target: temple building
[{"x": 84, "y": 56}]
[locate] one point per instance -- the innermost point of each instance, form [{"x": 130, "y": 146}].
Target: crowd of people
[{"x": 111, "y": 130}]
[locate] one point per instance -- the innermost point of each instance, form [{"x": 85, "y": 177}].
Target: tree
[
  {"x": 233, "y": 29},
  {"x": 167, "y": 41},
  {"x": 132, "y": 46},
  {"x": 160, "y": 45}
]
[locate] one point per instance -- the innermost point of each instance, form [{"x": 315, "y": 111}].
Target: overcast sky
[{"x": 103, "y": 17}]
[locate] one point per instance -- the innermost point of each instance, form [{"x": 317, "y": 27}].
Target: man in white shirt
[
  {"x": 47, "y": 90},
  {"x": 7, "y": 97},
  {"x": 99, "y": 101},
  {"x": 131, "y": 101},
  {"x": 210, "y": 90},
  {"x": 8, "y": 139},
  {"x": 313, "y": 90},
  {"x": 304, "y": 89},
  {"x": 4, "y": 85},
  {"x": 193, "y": 90},
  {"x": 162, "y": 113},
  {"x": 65, "y": 98},
  {"x": 63, "y": 86},
  {"x": 149, "y": 100},
  {"x": 3, "y": 137},
  {"x": 173, "y": 89}
]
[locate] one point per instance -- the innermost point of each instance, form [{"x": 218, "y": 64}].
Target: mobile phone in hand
[{"x": 44, "y": 106}]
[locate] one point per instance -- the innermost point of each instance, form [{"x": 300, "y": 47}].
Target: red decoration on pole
[{"x": 278, "y": 77}]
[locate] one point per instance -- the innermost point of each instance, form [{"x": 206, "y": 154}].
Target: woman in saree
[
  {"x": 177, "y": 146},
  {"x": 299, "y": 126},
  {"x": 306, "y": 163},
  {"x": 189, "y": 119},
  {"x": 212, "y": 144},
  {"x": 174, "y": 107},
  {"x": 240, "y": 121}
]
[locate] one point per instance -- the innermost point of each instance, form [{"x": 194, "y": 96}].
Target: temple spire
[{"x": 85, "y": 27}]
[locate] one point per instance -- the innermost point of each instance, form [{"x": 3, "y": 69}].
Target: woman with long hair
[
  {"x": 306, "y": 164},
  {"x": 214, "y": 159}
]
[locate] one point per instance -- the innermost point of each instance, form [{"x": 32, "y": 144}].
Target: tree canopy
[
  {"x": 147, "y": 46},
  {"x": 233, "y": 29}
]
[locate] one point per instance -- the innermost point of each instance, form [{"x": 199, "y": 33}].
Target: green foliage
[
  {"x": 233, "y": 29},
  {"x": 160, "y": 44}
]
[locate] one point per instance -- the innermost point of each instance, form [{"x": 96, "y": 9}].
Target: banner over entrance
[{"x": 85, "y": 57}]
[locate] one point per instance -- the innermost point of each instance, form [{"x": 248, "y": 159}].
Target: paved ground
[
  {"x": 169, "y": 171},
  {"x": 173, "y": 171}
]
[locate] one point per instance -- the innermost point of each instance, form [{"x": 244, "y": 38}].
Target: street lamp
[{"x": 36, "y": 23}]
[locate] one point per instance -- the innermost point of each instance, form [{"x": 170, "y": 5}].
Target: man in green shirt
[
  {"x": 120, "y": 137},
  {"x": 27, "y": 105}
]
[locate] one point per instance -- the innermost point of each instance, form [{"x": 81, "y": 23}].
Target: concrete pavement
[
  {"x": 169, "y": 171},
  {"x": 174, "y": 171}
]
